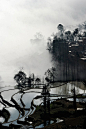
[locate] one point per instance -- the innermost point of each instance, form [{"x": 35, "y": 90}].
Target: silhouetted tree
[
  {"x": 75, "y": 33},
  {"x": 38, "y": 80},
  {"x": 50, "y": 74},
  {"x": 80, "y": 36},
  {"x": 68, "y": 34},
  {"x": 84, "y": 34},
  {"x": 20, "y": 78},
  {"x": 61, "y": 28}
]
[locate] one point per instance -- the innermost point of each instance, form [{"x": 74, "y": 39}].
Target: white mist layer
[{"x": 33, "y": 58}]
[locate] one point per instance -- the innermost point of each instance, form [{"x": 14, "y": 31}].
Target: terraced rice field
[{"x": 17, "y": 105}]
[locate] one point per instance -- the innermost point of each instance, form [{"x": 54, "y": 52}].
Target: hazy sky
[{"x": 20, "y": 20}]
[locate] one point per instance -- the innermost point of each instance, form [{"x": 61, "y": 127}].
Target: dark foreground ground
[{"x": 64, "y": 110}]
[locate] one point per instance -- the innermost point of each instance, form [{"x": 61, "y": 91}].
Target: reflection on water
[
  {"x": 7, "y": 94},
  {"x": 28, "y": 96},
  {"x": 80, "y": 108},
  {"x": 38, "y": 101},
  {"x": 17, "y": 98},
  {"x": 1, "y": 106},
  {"x": 46, "y": 123},
  {"x": 14, "y": 114},
  {"x": 66, "y": 89},
  {"x": 58, "y": 120},
  {"x": 2, "y": 119},
  {"x": 6, "y": 88},
  {"x": 78, "y": 99}
]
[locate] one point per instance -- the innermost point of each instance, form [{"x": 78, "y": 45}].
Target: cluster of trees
[
  {"x": 24, "y": 81},
  {"x": 67, "y": 67},
  {"x": 67, "y": 35},
  {"x": 50, "y": 75}
]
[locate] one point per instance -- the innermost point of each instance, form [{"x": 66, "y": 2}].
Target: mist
[
  {"x": 20, "y": 21},
  {"x": 33, "y": 59}
]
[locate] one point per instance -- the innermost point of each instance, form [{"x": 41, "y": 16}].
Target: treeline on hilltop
[
  {"x": 68, "y": 49},
  {"x": 64, "y": 38}
]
